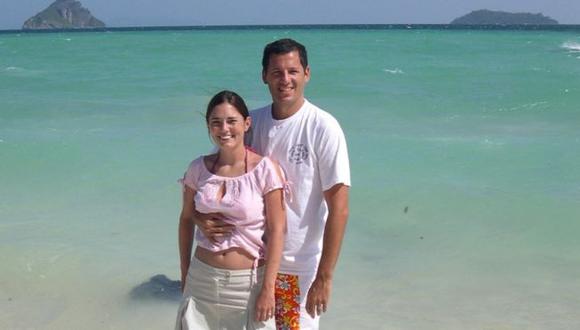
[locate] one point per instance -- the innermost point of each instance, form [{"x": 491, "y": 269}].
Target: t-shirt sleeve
[
  {"x": 333, "y": 161},
  {"x": 190, "y": 177},
  {"x": 272, "y": 177}
]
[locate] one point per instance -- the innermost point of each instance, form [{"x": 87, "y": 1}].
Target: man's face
[{"x": 286, "y": 78}]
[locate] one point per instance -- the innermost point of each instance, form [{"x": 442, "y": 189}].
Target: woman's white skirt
[{"x": 217, "y": 299}]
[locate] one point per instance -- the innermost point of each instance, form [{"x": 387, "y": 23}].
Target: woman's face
[{"x": 227, "y": 126}]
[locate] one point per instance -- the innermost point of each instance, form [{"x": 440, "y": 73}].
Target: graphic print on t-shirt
[{"x": 298, "y": 154}]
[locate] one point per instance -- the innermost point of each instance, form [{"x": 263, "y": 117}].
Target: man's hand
[
  {"x": 318, "y": 296},
  {"x": 212, "y": 225}
]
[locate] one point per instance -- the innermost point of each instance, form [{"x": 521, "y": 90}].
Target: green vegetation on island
[
  {"x": 489, "y": 17},
  {"x": 63, "y": 14}
]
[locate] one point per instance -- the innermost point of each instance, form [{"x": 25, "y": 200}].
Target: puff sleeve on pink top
[{"x": 242, "y": 203}]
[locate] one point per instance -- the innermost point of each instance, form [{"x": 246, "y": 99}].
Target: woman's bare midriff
[{"x": 233, "y": 258}]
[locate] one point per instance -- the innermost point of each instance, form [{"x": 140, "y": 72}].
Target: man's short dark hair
[{"x": 284, "y": 46}]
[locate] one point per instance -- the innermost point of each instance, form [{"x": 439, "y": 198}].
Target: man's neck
[{"x": 283, "y": 111}]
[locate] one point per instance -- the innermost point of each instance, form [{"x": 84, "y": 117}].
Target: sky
[{"x": 117, "y": 13}]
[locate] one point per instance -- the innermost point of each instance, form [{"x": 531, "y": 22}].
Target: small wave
[
  {"x": 491, "y": 143},
  {"x": 571, "y": 46},
  {"x": 394, "y": 71},
  {"x": 13, "y": 69},
  {"x": 16, "y": 71},
  {"x": 536, "y": 69},
  {"x": 541, "y": 105},
  {"x": 448, "y": 140}
]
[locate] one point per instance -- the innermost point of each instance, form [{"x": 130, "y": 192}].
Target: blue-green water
[{"x": 465, "y": 208}]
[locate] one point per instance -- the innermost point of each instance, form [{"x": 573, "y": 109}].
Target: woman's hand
[{"x": 265, "y": 305}]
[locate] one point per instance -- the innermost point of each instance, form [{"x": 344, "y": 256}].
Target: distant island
[
  {"x": 63, "y": 14},
  {"x": 489, "y": 17}
]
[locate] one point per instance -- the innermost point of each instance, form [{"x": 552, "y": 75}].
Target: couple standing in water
[{"x": 270, "y": 217}]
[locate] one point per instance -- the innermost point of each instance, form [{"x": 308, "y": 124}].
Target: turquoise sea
[{"x": 465, "y": 157}]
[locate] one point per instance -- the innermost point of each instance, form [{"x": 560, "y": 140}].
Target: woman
[{"x": 229, "y": 283}]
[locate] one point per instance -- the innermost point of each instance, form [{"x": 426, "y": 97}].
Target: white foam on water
[
  {"x": 540, "y": 105},
  {"x": 394, "y": 71},
  {"x": 19, "y": 71},
  {"x": 13, "y": 68},
  {"x": 541, "y": 69},
  {"x": 572, "y": 46},
  {"x": 491, "y": 143},
  {"x": 448, "y": 140}
]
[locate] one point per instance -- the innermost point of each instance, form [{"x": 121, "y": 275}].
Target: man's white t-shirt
[{"x": 311, "y": 149}]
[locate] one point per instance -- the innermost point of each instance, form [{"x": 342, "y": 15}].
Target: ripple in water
[{"x": 572, "y": 46}]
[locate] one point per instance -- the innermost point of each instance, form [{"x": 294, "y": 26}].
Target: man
[{"x": 310, "y": 147}]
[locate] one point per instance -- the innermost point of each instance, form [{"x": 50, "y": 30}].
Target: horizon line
[{"x": 373, "y": 26}]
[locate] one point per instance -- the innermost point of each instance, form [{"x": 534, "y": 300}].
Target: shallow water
[{"x": 463, "y": 144}]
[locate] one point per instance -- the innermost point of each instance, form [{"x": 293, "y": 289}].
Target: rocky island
[
  {"x": 489, "y": 17},
  {"x": 63, "y": 14}
]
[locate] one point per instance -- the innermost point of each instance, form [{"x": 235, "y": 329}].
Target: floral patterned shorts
[{"x": 287, "y": 302}]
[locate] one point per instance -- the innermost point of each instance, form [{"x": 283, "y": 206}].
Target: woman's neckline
[{"x": 230, "y": 177}]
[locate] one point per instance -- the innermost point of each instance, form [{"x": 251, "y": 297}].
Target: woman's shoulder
[
  {"x": 261, "y": 164},
  {"x": 269, "y": 174},
  {"x": 192, "y": 174},
  {"x": 254, "y": 159},
  {"x": 195, "y": 164},
  {"x": 206, "y": 160},
  {"x": 257, "y": 160},
  {"x": 269, "y": 166}
]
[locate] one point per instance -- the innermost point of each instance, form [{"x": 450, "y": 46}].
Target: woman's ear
[{"x": 247, "y": 123}]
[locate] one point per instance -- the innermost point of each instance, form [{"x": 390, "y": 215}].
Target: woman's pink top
[{"x": 242, "y": 204}]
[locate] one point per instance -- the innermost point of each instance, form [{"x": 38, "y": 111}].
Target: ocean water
[{"x": 465, "y": 157}]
